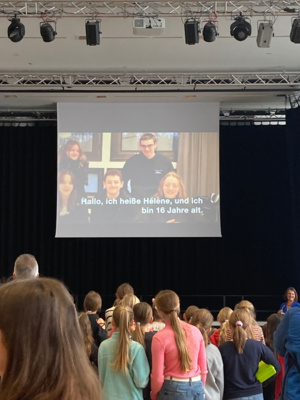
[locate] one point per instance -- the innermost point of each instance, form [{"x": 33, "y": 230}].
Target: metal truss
[
  {"x": 151, "y": 81},
  {"x": 123, "y": 9}
]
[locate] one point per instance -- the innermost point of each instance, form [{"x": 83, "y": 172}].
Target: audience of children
[{"x": 183, "y": 358}]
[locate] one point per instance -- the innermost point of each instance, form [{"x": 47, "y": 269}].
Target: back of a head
[
  {"x": 203, "y": 319},
  {"x": 44, "y": 343},
  {"x": 247, "y": 305},
  {"x": 189, "y": 312},
  {"x": 92, "y": 302},
  {"x": 122, "y": 320},
  {"x": 26, "y": 267},
  {"x": 272, "y": 324},
  {"x": 124, "y": 288},
  {"x": 87, "y": 333},
  {"x": 240, "y": 320},
  {"x": 142, "y": 313},
  {"x": 224, "y": 314},
  {"x": 130, "y": 300}
]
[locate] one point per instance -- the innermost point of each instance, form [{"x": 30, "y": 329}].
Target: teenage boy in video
[
  {"x": 143, "y": 171},
  {"x": 114, "y": 204}
]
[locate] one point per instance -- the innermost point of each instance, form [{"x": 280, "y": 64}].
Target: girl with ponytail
[
  {"x": 214, "y": 386},
  {"x": 123, "y": 366},
  {"x": 241, "y": 357},
  {"x": 178, "y": 354}
]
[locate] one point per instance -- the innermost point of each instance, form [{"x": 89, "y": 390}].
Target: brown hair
[
  {"x": 142, "y": 313},
  {"x": 87, "y": 333},
  {"x": 189, "y": 312},
  {"x": 129, "y": 300},
  {"x": 113, "y": 172},
  {"x": 293, "y": 290},
  {"x": 148, "y": 136},
  {"x": 240, "y": 320},
  {"x": 181, "y": 192},
  {"x": 45, "y": 350},
  {"x": 124, "y": 288},
  {"x": 167, "y": 301},
  {"x": 273, "y": 321},
  {"x": 122, "y": 318},
  {"x": 203, "y": 320},
  {"x": 92, "y": 301},
  {"x": 73, "y": 194},
  {"x": 68, "y": 146}
]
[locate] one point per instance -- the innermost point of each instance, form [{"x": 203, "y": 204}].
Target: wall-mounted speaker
[{"x": 92, "y": 30}]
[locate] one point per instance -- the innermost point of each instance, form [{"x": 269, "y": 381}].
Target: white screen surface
[{"x": 106, "y": 138}]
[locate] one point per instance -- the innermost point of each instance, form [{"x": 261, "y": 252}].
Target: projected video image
[{"x": 147, "y": 184}]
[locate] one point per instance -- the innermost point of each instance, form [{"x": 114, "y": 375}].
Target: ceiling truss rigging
[{"x": 123, "y": 9}]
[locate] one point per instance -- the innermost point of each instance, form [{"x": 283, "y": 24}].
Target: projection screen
[{"x": 138, "y": 170}]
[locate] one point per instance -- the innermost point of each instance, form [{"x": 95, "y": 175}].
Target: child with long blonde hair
[
  {"x": 219, "y": 335},
  {"x": 241, "y": 357},
  {"x": 123, "y": 365},
  {"x": 178, "y": 354}
]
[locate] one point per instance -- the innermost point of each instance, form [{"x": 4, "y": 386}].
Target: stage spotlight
[
  {"x": 191, "y": 30},
  {"x": 92, "y": 30},
  {"x": 16, "y": 30},
  {"x": 209, "y": 32},
  {"x": 264, "y": 34},
  {"x": 47, "y": 32},
  {"x": 295, "y": 31},
  {"x": 240, "y": 28}
]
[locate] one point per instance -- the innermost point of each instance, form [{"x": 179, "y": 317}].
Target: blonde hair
[
  {"x": 223, "y": 318},
  {"x": 129, "y": 300},
  {"x": 87, "y": 332},
  {"x": 203, "y": 320},
  {"x": 142, "y": 313},
  {"x": 122, "y": 318},
  {"x": 246, "y": 304},
  {"x": 240, "y": 320},
  {"x": 46, "y": 357},
  {"x": 167, "y": 301},
  {"x": 181, "y": 192}
]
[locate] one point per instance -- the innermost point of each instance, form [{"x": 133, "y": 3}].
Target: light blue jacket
[
  {"x": 115, "y": 384},
  {"x": 287, "y": 340}
]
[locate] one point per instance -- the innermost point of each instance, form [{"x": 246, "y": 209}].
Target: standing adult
[
  {"x": 25, "y": 267},
  {"x": 287, "y": 344},
  {"x": 291, "y": 300},
  {"x": 143, "y": 171}
]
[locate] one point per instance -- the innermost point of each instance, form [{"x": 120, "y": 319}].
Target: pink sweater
[{"x": 165, "y": 360}]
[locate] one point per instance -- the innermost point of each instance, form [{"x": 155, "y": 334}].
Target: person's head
[
  {"x": 129, "y": 300},
  {"x": 273, "y": 321},
  {"x": 203, "y": 320},
  {"x": 239, "y": 320},
  {"x": 41, "y": 337},
  {"x": 72, "y": 150},
  {"x": 113, "y": 183},
  {"x": 168, "y": 307},
  {"x": 25, "y": 267},
  {"x": 122, "y": 320},
  {"x": 171, "y": 187},
  {"x": 187, "y": 315},
  {"x": 87, "y": 333},
  {"x": 224, "y": 314},
  {"x": 291, "y": 294},
  {"x": 92, "y": 302},
  {"x": 245, "y": 304},
  {"x": 142, "y": 313},
  {"x": 67, "y": 192},
  {"x": 124, "y": 288},
  {"x": 148, "y": 145}
]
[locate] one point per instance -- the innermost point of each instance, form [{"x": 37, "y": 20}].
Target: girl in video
[
  {"x": 73, "y": 159},
  {"x": 178, "y": 354},
  {"x": 241, "y": 357},
  {"x": 171, "y": 187},
  {"x": 42, "y": 354},
  {"x": 122, "y": 362}
]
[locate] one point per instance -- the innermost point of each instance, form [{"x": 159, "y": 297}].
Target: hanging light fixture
[
  {"x": 16, "y": 30},
  {"x": 209, "y": 32},
  {"x": 240, "y": 29},
  {"x": 47, "y": 31}
]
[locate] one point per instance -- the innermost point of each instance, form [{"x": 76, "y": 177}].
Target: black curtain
[{"x": 258, "y": 253}]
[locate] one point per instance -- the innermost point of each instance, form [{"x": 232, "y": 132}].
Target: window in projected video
[{"x": 138, "y": 184}]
